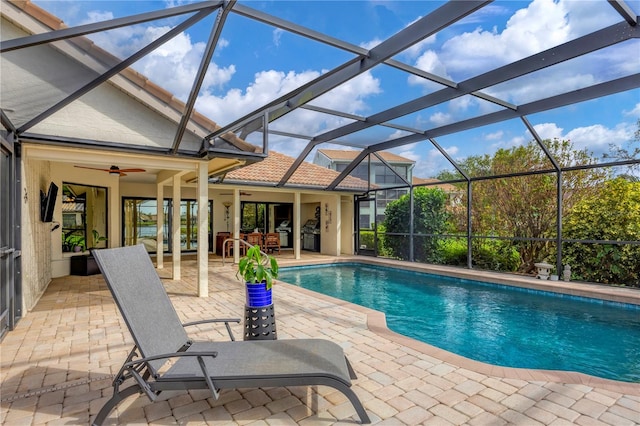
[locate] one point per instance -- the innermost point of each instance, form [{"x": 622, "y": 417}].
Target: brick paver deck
[{"x": 57, "y": 366}]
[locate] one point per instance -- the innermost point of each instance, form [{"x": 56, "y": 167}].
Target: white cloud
[
  {"x": 543, "y": 84},
  {"x": 97, "y": 16},
  {"x": 541, "y": 25},
  {"x": 635, "y": 112},
  {"x": 349, "y": 96},
  {"x": 595, "y": 138},
  {"x": 266, "y": 86},
  {"x": 175, "y": 64},
  {"x": 440, "y": 119},
  {"x": 429, "y": 62},
  {"x": 463, "y": 103},
  {"x": 548, "y": 131},
  {"x": 435, "y": 162},
  {"x": 174, "y": 3},
  {"x": 371, "y": 44},
  {"x": 269, "y": 85},
  {"x": 277, "y": 35},
  {"x": 429, "y": 161},
  {"x": 494, "y": 136},
  {"x": 398, "y": 134},
  {"x": 507, "y": 143}
]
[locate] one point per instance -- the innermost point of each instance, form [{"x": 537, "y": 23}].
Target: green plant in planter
[
  {"x": 256, "y": 267},
  {"x": 74, "y": 240},
  {"x": 97, "y": 237}
]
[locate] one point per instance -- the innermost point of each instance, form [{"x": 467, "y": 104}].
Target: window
[
  {"x": 84, "y": 217},
  {"x": 140, "y": 219}
]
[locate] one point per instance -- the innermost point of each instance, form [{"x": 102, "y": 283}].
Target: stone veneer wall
[{"x": 36, "y": 235}]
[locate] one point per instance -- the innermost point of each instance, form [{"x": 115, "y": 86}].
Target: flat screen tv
[{"x": 48, "y": 202}]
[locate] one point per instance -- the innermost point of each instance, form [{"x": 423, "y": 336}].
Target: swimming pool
[{"x": 496, "y": 324}]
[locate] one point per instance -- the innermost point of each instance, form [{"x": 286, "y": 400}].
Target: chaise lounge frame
[{"x": 164, "y": 358}]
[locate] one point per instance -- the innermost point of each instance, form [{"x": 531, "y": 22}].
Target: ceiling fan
[{"x": 114, "y": 170}]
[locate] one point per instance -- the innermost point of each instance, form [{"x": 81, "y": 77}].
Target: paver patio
[{"x": 57, "y": 366}]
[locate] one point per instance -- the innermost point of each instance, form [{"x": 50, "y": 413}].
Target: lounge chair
[{"x": 160, "y": 337}]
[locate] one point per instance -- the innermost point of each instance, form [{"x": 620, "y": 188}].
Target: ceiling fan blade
[
  {"x": 92, "y": 168},
  {"x": 113, "y": 170},
  {"x": 132, "y": 170}
]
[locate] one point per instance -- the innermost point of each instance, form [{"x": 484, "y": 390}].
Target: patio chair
[
  {"x": 242, "y": 249},
  {"x": 164, "y": 358},
  {"x": 255, "y": 239},
  {"x": 272, "y": 242}
]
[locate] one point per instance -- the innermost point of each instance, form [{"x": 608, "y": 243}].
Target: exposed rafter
[{"x": 625, "y": 11}]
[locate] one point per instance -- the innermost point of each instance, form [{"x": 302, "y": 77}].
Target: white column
[
  {"x": 160, "y": 227},
  {"x": 236, "y": 225},
  {"x": 203, "y": 237},
  {"x": 298, "y": 226},
  {"x": 337, "y": 216},
  {"x": 175, "y": 228}
]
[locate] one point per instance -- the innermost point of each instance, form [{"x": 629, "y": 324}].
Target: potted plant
[
  {"x": 97, "y": 238},
  {"x": 75, "y": 242},
  {"x": 258, "y": 270}
]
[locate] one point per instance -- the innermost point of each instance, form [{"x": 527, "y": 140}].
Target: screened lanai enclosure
[{"x": 491, "y": 135}]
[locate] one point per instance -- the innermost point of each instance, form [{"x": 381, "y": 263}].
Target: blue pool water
[{"x": 496, "y": 324}]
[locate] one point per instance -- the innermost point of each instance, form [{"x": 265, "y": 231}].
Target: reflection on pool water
[{"x": 492, "y": 323}]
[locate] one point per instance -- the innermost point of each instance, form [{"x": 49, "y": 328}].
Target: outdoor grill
[
  {"x": 311, "y": 235},
  {"x": 284, "y": 229}
]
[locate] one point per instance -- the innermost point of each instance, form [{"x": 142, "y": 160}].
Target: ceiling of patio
[{"x": 440, "y": 104}]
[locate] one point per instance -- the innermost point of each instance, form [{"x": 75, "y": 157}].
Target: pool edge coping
[{"x": 377, "y": 323}]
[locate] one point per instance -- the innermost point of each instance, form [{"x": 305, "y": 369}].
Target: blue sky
[{"x": 255, "y": 63}]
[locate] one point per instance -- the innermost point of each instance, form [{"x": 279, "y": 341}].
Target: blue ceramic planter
[{"x": 257, "y": 295}]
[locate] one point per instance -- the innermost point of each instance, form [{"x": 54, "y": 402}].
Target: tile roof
[
  {"x": 272, "y": 169},
  {"x": 447, "y": 187},
  {"x": 343, "y": 154}
]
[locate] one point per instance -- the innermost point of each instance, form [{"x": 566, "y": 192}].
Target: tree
[
  {"x": 526, "y": 206},
  {"x": 611, "y": 214},
  {"x": 429, "y": 218},
  {"x": 630, "y": 154}
]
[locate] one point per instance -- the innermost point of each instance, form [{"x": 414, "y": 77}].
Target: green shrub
[
  {"x": 614, "y": 215},
  {"x": 367, "y": 239},
  {"x": 453, "y": 252},
  {"x": 493, "y": 255},
  {"x": 429, "y": 216}
]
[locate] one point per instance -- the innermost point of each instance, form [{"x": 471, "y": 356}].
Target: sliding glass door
[{"x": 140, "y": 219}]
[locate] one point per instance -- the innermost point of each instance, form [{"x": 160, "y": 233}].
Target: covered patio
[{"x": 57, "y": 367}]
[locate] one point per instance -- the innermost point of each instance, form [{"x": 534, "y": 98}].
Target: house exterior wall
[
  {"x": 107, "y": 114},
  {"x": 35, "y": 234}
]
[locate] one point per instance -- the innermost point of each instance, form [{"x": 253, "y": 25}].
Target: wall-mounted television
[{"x": 48, "y": 203}]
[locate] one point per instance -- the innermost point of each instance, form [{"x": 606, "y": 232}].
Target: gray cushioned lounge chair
[{"x": 164, "y": 358}]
